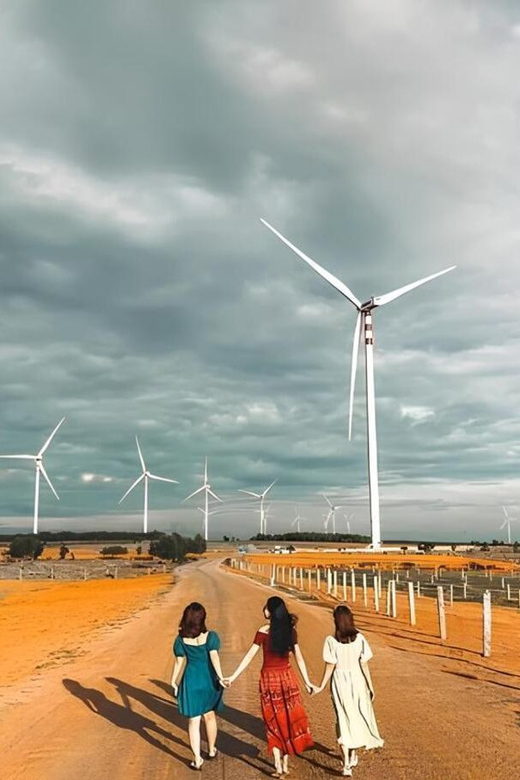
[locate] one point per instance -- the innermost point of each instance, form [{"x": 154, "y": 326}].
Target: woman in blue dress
[{"x": 199, "y": 692}]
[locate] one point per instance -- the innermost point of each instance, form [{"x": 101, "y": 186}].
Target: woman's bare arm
[
  {"x": 327, "y": 674},
  {"x": 179, "y": 663},
  {"x": 302, "y": 667},
  {"x": 244, "y": 663},
  {"x": 215, "y": 661}
]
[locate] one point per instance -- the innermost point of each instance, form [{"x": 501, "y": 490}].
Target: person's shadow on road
[
  {"x": 230, "y": 744},
  {"x": 123, "y": 717}
]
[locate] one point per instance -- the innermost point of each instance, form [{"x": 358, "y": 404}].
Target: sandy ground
[
  {"x": 44, "y": 624},
  {"x": 109, "y": 714},
  {"x": 327, "y": 557}
]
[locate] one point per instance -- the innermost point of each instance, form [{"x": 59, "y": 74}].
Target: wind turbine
[
  {"x": 507, "y": 522},
  {"x": 297, "y": 519},
  {"x": 261, "y": 496},
  {"x": 40, "y": 469},
  {"x": 348, "y": 518},
  {"x": 206, "y": 488},
  {"x": 332, "y": 513},
  {"x": 146, "y": 476},
  {"x": 363, "y": 326}
]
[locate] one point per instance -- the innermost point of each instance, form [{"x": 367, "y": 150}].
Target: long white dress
[{"x": 356, "y": 722}]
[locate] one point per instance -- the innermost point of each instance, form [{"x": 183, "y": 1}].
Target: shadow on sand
[{"x": 124, "y": 717}]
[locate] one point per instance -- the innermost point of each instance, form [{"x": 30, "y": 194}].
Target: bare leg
[
  {"x": 285, "y": 764},
  {"x": 277, "y": 755},
  {"x": 194, "y": 735},
  {"x": 210, "y": 721}
]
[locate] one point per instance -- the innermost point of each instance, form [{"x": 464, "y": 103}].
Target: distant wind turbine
[
  {"x": 348, "y": 518},
  {"x": 297, "y": 520},
  {"x": 507, "y": 522},
  {"x": 261, "y": 496},
  {"x": 363, "y": 326},
  {"x": 206, "y": 489},
  {"x": 40, "y": 469},
  {"x": 146, "y": 476},
  {"x": 332, "y": 513}
]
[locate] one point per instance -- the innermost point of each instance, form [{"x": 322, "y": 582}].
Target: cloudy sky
[{"x": 141, "y": 142}]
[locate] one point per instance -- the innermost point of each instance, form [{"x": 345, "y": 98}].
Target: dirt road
[{"x": 108, "y": 714}]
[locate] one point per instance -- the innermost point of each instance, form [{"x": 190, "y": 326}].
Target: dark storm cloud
[{"x": 139, "y": 293}]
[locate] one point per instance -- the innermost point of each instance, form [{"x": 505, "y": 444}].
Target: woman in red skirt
[{"x": 285, "y": 719}]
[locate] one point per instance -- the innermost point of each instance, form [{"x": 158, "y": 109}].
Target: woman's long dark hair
[
  {"x": 346, "y": 630},
  {"x": 193, "y": 621},
  {"x": 281, "y": 626}
]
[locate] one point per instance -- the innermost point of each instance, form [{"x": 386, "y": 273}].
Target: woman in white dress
[{"x": 346, "y": 656}]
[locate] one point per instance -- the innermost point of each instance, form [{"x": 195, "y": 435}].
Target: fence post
[
  {"x": 508, "y": 592},
  {"x": 273, "y": 575},
  {"x": 344, "y": 586},
  {"x": 441, "y": 611},
  {"x": 376, "y": 593},
  {"x": 388, "y": 597},
  {"x": 329, "y": 582},
  {"x": 301, "y": 577},
  {"x": 418, "y": 588},
  {"x": 318, "y": 578},
  {"x": 309, "y": 579},
  {"x": 465, "y": 589},
  {"x": 335, "y": 584},
  {"x": 353, "y": 585},
  {"x": 451, "y": 595},
  {"x": 365, "y": 593},
  {"x": 394, "y": 599},
  {"x": 411, "y": 603},
  {"x": 486, "y": 617}
]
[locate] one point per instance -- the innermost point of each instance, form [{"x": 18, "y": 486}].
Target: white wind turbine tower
[
  {"x": 206, "y": 489},
  {"x": 146, "y": 476},
  {"x": 363, "y": 329},
  {"x": 261, "y": 496},
  {"x": 40, "y": 469},
  {"x": 331, "y": 513},
  {"x": 507, "y": 522},
  {"x": 297, "y": 520},
  {"x": 348, "y": 518}
]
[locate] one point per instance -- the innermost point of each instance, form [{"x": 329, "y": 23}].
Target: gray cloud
[{"x": 140, "y": 294}]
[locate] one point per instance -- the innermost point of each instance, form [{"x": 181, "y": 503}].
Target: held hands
[{"x": 312, "y": 689}]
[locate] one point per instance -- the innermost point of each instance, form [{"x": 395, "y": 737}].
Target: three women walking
[{"x": 346, "y": 655}]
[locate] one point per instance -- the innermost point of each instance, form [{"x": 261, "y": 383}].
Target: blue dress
[{"x": 199, "y": 689}]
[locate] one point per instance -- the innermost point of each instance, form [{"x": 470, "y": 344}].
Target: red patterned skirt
[{"x": 286, "y": 722}]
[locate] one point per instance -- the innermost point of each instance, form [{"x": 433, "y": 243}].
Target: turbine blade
[
  {"x": 132, "y": 486},
  {"x": 505, "y": 512},
  {"x": 249, "y": 493},
  {"x": 42, "y": 469},
  {"x": 334, "y": 281},
  {"x": 327, "y": 500},
  {"x": 19, "y": 457},
  {"x": 140, "y": 454},
  {"x": 51, "y": 436},
  {"x": 199, "y": 490},
  {"x": 503, "y": 524},
  {"x": 266, "y": 491},
  {"x": 163, "y": 479},
  {"x": 201, "y": 509},
  {"x": 214, "y": 495},
  {"x": 353, "y": 371},
  {"x": 380, "y": 300}
]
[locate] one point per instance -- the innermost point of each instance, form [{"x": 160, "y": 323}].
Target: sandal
[
  {"x": 347, "y": 771},
  {"x": 196, "y": 766}
]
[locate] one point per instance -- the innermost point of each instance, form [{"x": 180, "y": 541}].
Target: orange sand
[
  {"x": 463, "y": 621},
  {"x": 42, "y": 624},
  {"x": 309, "y": 559}
]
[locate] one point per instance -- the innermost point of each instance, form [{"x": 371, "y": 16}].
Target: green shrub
[
  {"x": 25, "y": 546},
  {"x": 114, "y": 550}
]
